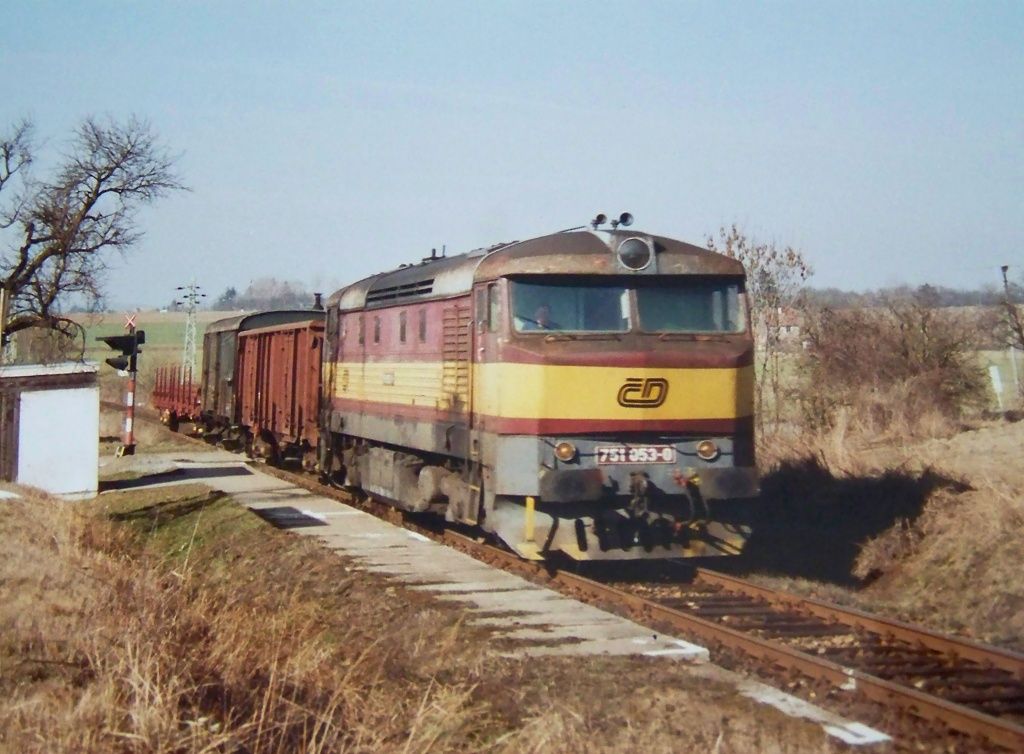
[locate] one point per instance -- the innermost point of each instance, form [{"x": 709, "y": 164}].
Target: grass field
[{"x": 165, "y": 333}]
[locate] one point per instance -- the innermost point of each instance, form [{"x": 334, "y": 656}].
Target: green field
[{"x": 165, "y": 334}]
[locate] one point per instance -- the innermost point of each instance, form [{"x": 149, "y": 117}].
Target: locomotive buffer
[{"x": 127, "y": 362}]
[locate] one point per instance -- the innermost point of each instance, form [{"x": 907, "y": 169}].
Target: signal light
[{"x": 128, "y": 345}]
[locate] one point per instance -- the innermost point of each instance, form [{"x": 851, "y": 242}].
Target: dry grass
[
  {"x": 172, "y": 620},
  {"x": 920, "y": 530},
  {"x": 957, "y": 567},
  {"x": 176, "y": 647},
  {"x": 149, "y": 436}
]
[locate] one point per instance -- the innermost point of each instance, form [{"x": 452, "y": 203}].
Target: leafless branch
[{"x": 63, "y": 228}]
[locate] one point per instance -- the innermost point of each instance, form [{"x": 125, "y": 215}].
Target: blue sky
[{"x": 327, "y": 141}]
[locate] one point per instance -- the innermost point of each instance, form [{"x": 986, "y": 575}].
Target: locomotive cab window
[
  {"x": 682, "y": 304},
  {"x": 376, "y": 329},
  {"x": 423, "y": 325},
  {"x": 574, "y": 305},
  {"x": 401, "y": 327},
  {"x": 493, "y": 307},
  {"x": 695, "y": 304}
]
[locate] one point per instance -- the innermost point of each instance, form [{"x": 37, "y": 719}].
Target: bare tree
[
  {"x": 57, "y": 234},
  {"x": 775, "y": 285}
]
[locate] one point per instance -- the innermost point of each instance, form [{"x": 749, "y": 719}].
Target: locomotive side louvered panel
[{"x": 456, "y": 354}]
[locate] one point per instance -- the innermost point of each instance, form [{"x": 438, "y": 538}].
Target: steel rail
[
  {"x": 1003, "y": 659},
  {"x": 923, "y": 705}
]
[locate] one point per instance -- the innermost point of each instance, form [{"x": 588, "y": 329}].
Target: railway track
[{"x": 974, "y": 689}]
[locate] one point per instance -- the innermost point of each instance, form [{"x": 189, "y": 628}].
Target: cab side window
[{"x": 493, "y": 307}]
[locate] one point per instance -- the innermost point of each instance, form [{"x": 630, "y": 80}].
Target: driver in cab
[{"x": 541, "y": 320}]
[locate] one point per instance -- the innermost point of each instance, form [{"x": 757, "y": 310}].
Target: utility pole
[
  {"x": 190, "y": 300},
  {"x": 1016, "y": 331}
]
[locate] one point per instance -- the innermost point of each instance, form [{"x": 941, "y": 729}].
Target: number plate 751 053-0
[{"x": 608, "y": 454}]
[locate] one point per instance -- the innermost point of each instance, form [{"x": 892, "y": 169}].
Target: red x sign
[{"x": 129, "y": 321}]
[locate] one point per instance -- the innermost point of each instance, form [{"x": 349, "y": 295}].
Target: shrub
[{"x": 900, "y": 367}]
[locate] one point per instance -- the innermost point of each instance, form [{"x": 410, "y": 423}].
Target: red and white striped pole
[
  {"x": 129, "y": 417},
  {"x": 128, "y": 436}
]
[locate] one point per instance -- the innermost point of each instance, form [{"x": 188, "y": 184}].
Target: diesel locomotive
[{"x": 588, "y": 392}]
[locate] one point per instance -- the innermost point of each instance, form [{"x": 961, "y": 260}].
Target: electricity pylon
[{"x": 190, "y": 300}]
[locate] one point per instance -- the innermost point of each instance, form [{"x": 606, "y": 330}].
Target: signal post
[{"x": 128, "y": 345}]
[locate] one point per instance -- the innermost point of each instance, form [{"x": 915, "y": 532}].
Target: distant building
[{"x": 791, "y": 323}]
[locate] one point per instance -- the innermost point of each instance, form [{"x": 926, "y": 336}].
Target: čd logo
[{"x": 639, "y": 392}]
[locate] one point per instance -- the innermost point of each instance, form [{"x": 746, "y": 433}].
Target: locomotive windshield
[
  {"x": 674, "y": 305},
  {"x": 577, "y": 306},
  {"x": 691, "y": 304}
]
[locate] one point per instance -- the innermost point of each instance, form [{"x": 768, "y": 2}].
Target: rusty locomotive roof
[{"x": 578, "y": 253}]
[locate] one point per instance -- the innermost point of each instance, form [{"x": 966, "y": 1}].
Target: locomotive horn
[
  {"x": 625, "y": 219},
  {"x": 599, "y": 220}
]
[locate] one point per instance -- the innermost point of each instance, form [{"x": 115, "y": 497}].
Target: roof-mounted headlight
[{"x": 635, "y": 253}]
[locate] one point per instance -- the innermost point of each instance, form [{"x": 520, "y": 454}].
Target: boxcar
[
  {"x": 218, "y": 404},
  {"x": 279, "y": 388}
]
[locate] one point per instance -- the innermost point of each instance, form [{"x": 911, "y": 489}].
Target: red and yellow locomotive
[{"x": 583, "y": 392}]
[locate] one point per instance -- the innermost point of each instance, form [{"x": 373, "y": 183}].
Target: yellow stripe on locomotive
[{"x": 544, "y": 391}]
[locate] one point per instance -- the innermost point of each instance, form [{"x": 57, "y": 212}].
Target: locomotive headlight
[
  {"x": 707, "y": 450},
  {"x": 565, "y": 452},
  {"x": 635, "y": 253}
]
